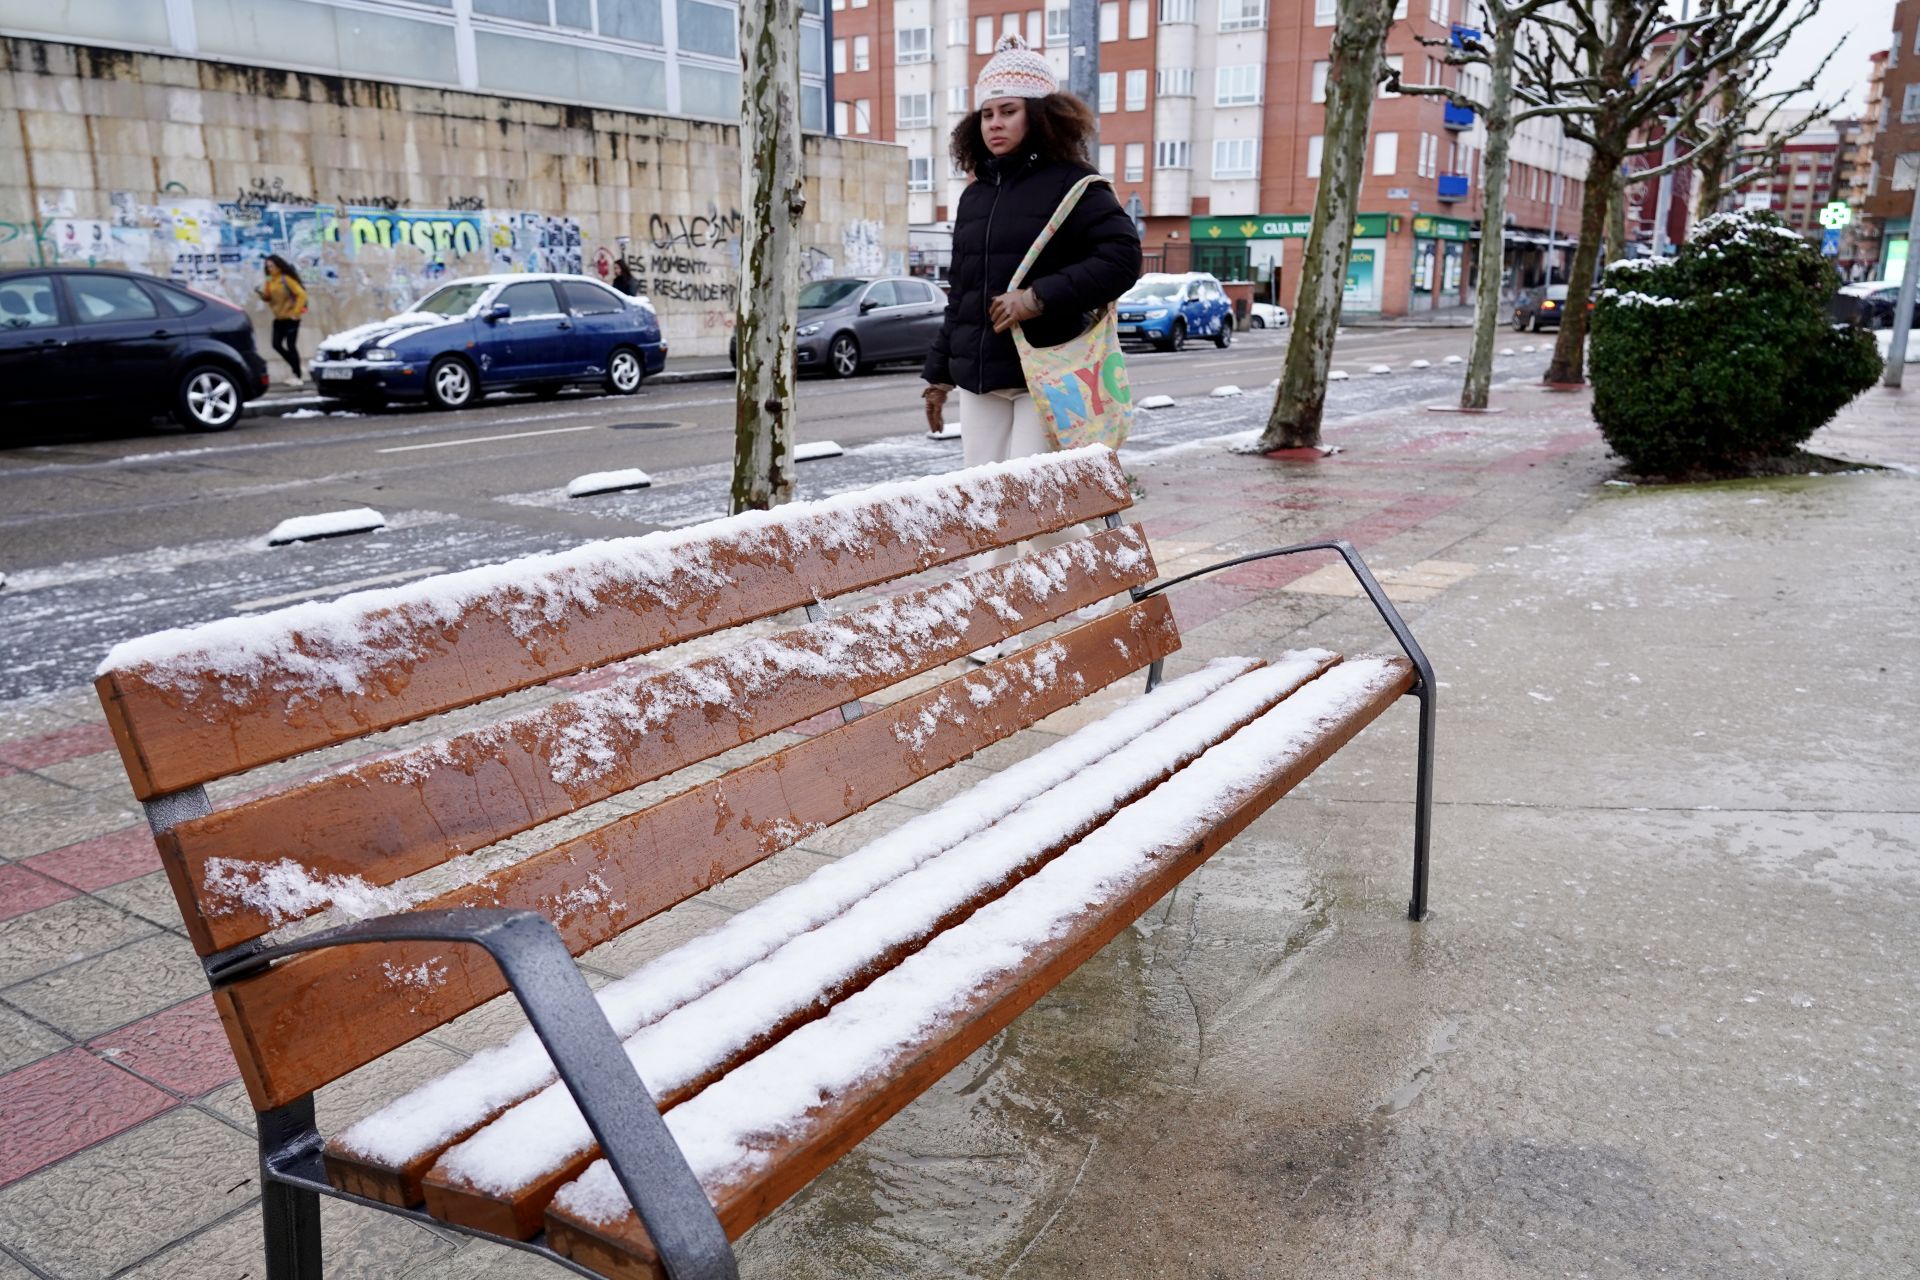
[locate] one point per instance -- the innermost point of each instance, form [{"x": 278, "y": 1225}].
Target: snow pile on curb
[
  {"x": 607, "y": 482},
  {"x": 1157, "y": 402},
  {"x": 817, "y": 449},
  {"x": 328, "y": 524},
  {"x": 1224, "y": 392}
]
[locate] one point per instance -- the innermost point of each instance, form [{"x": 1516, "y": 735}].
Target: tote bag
[{"x": 1079, "y": 387}]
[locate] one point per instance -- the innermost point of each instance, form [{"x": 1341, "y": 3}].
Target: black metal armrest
[{"x": 586, "y": 1052}]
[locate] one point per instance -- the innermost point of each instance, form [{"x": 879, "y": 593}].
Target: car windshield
[
  {"x": 826, "y": 293},
  {"x": 454, "y": 300},
  {"x": 1558, "y": 293},
  {"x": 1152, "y": 291}
]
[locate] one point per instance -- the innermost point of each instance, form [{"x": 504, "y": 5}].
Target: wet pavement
[{"x": 1660, "y": 1022}]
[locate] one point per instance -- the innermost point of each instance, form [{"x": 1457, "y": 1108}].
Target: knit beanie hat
[{"x": 1014, "y": 71}]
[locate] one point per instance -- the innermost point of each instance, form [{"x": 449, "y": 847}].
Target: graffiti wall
[{"x": 492, "y": 186}]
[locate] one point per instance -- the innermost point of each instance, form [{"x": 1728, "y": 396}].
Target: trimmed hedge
[{"x": 1723, "y": 355}]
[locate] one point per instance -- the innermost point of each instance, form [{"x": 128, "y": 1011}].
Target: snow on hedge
[{"x": 727, "y": 1130}]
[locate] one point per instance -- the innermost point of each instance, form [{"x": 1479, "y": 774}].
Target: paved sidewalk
[{"x": 1661, "y": 1022}]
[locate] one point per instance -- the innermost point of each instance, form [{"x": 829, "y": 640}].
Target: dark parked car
[
  {"x": 1871, "y": 304},
  {"x": 85, "y": 338},
  {"x": 1541, "y": 308},
  {"x": 488, "y": 333},
  {"x": 848, "y": 324}
]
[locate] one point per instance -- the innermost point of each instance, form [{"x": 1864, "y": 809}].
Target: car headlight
[
  {"x": 381, "y": 354},
  {"x": 1158, "y": 313},
  {"x": 808, "y": 330}
]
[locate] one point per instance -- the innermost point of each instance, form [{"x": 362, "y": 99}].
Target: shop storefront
[
  {"x": 1894, "y": 242},
  {"x": 1255, "y": 248},
  {"x": 1439, "y": 260}
]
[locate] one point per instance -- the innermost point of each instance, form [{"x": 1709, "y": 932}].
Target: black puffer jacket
[{"x": 1091, "y": 260}]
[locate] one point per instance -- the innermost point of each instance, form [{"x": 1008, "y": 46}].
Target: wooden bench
[{"x": 342, "y": 916}]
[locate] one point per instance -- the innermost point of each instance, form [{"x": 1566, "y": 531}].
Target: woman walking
[{"x": 286, "y": 297}]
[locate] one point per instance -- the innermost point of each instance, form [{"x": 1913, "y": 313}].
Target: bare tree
[
  {"x": 772, "y": 191},
  {"x": 1501, "y": 20},
  {"x": 1359, "y": 40},
  {"x": 1612, "y": 69}
]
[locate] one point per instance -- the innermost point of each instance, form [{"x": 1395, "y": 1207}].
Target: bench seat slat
[
  {"x": 386, "y": 1155},
  {"x": 760, "y": 1134},
  {"x": 293, "y": 1032},
  {"x": 383, "y": 820},
  {"x": 500, "y": 1179},
  {"x": 192, "y": 705}
]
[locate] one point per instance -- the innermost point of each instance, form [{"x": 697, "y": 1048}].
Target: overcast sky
[{"x": 1866, "y": 25}]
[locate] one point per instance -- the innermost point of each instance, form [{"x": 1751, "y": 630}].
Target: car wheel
[
  {"x": 1224, "y": 338},
  {"x": 625, "y": 373},
  {"x": 1256, "y": 323},
  {"x": 208, "y": 399},
  {"x": 1519, "y": 322},
  {"x": 1178, "y": 342},
  {"x": 450, "y": 383},
  {"x": 1536, "y": 324},
  {"x": 843, "y": 357}
]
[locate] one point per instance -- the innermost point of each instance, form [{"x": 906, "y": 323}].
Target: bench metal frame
[{"x": 586, "y": 1053}]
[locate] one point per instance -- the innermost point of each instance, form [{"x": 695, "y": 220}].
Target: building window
[
  {"x": 1109, "y": 21},
  {"x": 1437, "y": 11},
  {"x": 957, "y": 30},
  {"x": 913, "y": 44},
  {"x": 840, "y": 118},
  {"x": 709, "y": 28},
  {"x": 915, "y": 111},
  {"x": 1237, "y": 86},
  {"x": 862, "y": 116},
  {"x": 1136, "y": 19},
  {"x": 919, "y": 173},
  {"x": 1170, "y": 154},
  {"x": 1320, "y": 72},
  {"x": 1109, "y": 90},
  {"x": 957, "y": 100},
  {"x": 862, "y": 53},
  {"x": 1035, "y": 28},
  {"x": 839, "y": 57},
  {"x": 1386, "y": 154},
  {"x": 1316, "y": 151},
  {"x": 1136, "y": 161},
  {"x": 1057, "y": 24},
  {"x": 1235, "y": 157},
  {"x": 1136, "y": 90},
  {"x": 1173, "y": 12},
  {"x": 1398, "y": 65},
  {"x": 1009, "y": 24},
  {"x": 1106, "y": 159},
  {"x": 1242, "y": 15},
  {"x": 983, "y": 35},
  {"x": 1910, "y": 105},
  {"x": 1324, "y": 12},
  {"x": 1174, "y": 82}
]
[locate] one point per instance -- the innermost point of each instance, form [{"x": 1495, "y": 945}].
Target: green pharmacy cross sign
[{"x": 1836, "y": 215}]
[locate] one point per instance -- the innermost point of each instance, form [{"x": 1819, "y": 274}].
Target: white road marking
[
  {"x": 337, "y": 588},
  {"x": 511, "y": 435}
]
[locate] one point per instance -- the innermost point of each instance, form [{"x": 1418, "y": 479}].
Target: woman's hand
[
  {"x": 935, "y": 399},
  {"x": 1010, "y": 309}
]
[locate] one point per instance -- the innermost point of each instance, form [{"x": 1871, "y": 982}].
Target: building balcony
[
  {"x": 1458, "y": 117},
  {"x": 1453, "y": 186}
]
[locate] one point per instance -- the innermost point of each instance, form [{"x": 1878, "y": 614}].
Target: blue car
[
  {"x": 1166, "y": 310},
  {"x": 488, "y": 333}
]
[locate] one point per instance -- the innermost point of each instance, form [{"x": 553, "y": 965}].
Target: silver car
[{"x": 847, "y": 324}]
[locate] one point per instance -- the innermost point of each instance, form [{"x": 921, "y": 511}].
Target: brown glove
[
  {"x": 935, "y": 399},
  {"x": 1010, "y": 309}
]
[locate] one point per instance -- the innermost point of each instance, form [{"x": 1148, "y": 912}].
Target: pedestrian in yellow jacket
[{"x": 286, "y": 297}]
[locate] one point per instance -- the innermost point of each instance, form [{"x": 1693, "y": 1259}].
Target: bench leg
[
  {"x": 290, "y": 1215},
  {"x": 1422, "y": 804}
]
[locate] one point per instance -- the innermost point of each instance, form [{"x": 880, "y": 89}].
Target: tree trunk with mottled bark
[
  {"x": 772, "y": 193},
  {"x": 1359, "y": 38},
  {"x": 1487, "y": 306},
  {"x": 1569, "y": 349}
]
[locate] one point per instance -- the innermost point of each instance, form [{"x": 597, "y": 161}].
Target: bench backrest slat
[
  {"x": 313, "y": 1018},
  {"x": 188, "y": 707},
  {"x": 387, "y": 819}
]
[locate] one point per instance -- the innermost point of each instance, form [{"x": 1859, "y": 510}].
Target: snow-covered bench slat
[
  {"x": 501, "y": 1178},
  {"x": 385, "y": 1156},
  {"x": 191, "y": 705},
  {"x": 761, "y": 1133},
  {"x": 386, "y": 819},
  {"x": 597, "y": 885}
]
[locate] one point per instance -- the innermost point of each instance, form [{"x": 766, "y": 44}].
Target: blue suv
[
  {"x": 1166, "y": 310},
  {"x": 493, "y": 332}
]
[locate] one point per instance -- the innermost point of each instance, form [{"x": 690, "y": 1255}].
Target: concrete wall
[{"x": 379, "y": 192}]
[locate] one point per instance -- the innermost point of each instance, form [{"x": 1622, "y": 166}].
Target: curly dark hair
[{"x": 1059, "y": 127}]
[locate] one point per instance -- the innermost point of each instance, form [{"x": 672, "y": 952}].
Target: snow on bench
[
  {"x": 420, "y": 1123},
  {"x": 727, "y": 1130},
  {"x": 685, "y": 1048}
]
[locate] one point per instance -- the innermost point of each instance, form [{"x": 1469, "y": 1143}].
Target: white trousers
[{"x": 999, "y": 426}]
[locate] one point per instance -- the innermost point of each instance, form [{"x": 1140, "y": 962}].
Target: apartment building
[
  {"x": 1896, "y": 160},
  {"x": 1860, "y": 239},
  {"x": 1212, "y": 122}
]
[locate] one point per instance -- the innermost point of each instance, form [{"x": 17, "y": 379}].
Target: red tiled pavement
[
  {"x": 183, "y": 1048},
  {"x": 22, "y": 891},
  {"x": 51, "y": 748},
  {"x": 105, "y": 860},
  {"x": 58, "y": 1105}
]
